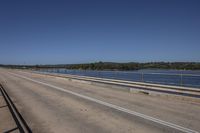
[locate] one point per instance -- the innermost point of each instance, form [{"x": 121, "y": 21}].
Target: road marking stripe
[{"x": 168, "y": 124}]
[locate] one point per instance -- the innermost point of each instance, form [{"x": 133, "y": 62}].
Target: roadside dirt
[{"x": 6, "y": 121}]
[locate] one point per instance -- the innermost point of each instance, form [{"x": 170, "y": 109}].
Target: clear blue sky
[{"x": 51, "y": 32}]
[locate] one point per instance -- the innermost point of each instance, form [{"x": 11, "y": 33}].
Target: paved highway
[{"x": 52, "y": 104}]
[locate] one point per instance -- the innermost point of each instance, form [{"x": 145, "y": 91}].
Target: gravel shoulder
[{"x": 6, "y": 121}]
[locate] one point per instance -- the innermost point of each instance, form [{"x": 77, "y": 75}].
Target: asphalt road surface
[{"x": 57, "y": 105}]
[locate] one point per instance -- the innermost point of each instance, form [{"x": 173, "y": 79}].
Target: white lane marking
[{"x": 168, "y": 124}]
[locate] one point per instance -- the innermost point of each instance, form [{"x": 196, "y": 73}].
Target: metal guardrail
[
  {"x": 22, "y": 126},
  {"x": 187, "y": 80},
  {"x": 146, "y": 87}
]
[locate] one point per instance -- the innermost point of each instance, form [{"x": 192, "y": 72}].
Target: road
[{"x": 52, "y": 104}]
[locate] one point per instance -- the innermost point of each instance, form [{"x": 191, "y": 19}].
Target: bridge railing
[{"x": 189, "y": 80}]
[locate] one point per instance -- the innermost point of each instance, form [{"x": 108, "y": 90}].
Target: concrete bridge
[{"x": 79, "y": 104}]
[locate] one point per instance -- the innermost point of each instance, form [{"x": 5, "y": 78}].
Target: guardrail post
[
  {"x": 100, "y": 74},
  {"x": 142, "y": 76},
  {"x": 181, "y": 82}
]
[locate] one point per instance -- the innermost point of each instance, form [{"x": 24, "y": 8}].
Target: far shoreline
[{"x": 114, "y": 66}]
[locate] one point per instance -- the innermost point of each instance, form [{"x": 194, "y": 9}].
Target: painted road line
[{"x": 168, "y": 124}]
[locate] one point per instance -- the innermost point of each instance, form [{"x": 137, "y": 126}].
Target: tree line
[{"x": 116, "y": 66}]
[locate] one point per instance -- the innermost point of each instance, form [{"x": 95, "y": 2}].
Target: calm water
[{"x": 168, "y": 77}]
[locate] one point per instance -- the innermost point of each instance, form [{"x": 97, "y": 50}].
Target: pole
[
  {"x": 181, "y": 82},
  {"x": 142, "y": 77}
]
